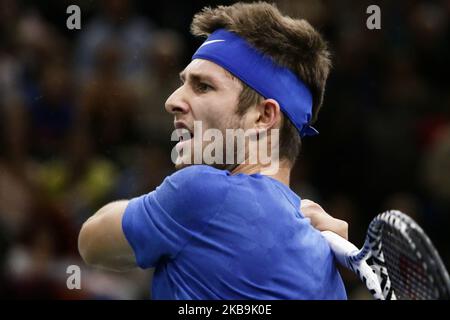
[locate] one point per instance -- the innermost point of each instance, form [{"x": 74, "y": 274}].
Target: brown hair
[{"x": 292, "y": 43}]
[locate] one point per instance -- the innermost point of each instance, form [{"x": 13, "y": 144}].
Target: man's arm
[{"x": 101, "y": 241}]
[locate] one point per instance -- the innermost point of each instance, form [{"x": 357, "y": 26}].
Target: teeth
[{"x": 182, "y": 134}]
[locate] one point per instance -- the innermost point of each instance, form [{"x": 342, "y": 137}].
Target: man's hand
[{"x": 322, "y": 220}]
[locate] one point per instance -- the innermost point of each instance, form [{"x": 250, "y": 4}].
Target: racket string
[{"x": 408, "y": 274}]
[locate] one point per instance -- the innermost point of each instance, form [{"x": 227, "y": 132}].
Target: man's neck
[{"x": 282, "y": 174}]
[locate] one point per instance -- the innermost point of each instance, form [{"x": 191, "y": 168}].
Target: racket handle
[{"x": 341, "y": 248}]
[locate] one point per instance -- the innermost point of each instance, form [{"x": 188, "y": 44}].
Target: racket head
[{"x": 403, "y": 257}]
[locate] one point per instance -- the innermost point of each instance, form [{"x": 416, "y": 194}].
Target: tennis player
[{"x": 232, "y": 231}]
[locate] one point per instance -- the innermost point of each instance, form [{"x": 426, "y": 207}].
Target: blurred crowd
[{"x": 82, "y": 122}]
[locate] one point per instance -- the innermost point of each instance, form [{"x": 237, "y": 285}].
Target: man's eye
[{"x": 203, "y": 87}]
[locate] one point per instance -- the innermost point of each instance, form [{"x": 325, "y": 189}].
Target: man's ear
[{"x": 269, "y": 115}]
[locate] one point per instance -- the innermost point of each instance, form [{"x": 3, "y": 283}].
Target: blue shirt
[{"x": 213, "y": 235}]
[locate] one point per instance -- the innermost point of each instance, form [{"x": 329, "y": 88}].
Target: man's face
[{"x": 208, "y": 94}]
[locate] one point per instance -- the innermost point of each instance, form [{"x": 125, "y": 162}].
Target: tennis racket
[{"x": 397, "y": 261}]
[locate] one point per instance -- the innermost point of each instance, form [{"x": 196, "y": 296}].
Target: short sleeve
[{"x": 159, "y": 224}]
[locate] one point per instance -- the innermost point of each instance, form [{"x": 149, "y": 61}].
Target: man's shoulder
[
  {"x": 198, "y": 174},
  {"x": 197, "y": 183},
  {"x": 193, "y": 194}
]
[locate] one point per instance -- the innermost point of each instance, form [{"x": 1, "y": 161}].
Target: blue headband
[{"x": 259, "y": 72}]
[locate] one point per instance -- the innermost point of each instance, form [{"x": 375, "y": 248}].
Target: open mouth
[
  {"x": 183, "y": 138},
  {"x": 183, "y": 132}
]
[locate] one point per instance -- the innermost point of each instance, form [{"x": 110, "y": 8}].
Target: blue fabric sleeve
[{"x": 159, "y": 224}]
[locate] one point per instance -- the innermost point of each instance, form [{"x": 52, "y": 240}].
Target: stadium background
[{"x": 82, "y": 122}]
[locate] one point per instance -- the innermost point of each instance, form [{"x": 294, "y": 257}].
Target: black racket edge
[{"x": 388, "y": 217}]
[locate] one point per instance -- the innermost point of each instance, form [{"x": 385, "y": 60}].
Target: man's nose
[{"x": 177, "y": 103}]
